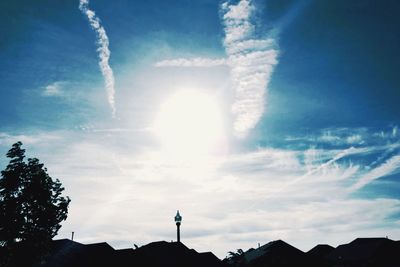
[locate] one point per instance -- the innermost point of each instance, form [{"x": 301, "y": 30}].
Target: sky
[{"x": 258, "y": 119}]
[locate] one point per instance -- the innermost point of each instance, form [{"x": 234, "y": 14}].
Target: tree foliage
[
  {"x": 236, "y": 259},
  {"x": 31, "y": 204}
]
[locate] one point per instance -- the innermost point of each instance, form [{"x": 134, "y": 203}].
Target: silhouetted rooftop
[
  {"x": 359, "y": 249},
  {"x": 275, "y": 253},
  {"x": 317, "y": 255},
  {"x": 368, "y": 252},
  {"x": 172, "y": 254},
  {"x": 320, "y": 250}
]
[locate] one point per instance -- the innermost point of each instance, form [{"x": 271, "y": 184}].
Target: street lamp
[{"x": 178, "y": 219}]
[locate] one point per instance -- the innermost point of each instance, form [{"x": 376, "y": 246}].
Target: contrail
[
  {"x": 103, "y": 50},
  {"x": 252, "y": 61},
  {"x": 391, "y": 166}
]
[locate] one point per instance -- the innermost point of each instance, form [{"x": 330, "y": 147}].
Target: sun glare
[{"x": 189, "y": 123}]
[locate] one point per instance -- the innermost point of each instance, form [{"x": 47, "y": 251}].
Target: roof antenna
[{"x": 72, "y": 236}]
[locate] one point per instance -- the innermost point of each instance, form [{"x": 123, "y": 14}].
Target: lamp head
[{"x": 178, "y": 218}]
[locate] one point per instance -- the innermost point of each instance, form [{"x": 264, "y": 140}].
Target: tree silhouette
[
  {"x": 11, "y": 218},
  {"x": 31, "y": 206},
  {"x": 236, "y": 258}
]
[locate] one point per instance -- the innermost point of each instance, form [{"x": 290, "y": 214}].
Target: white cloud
[
  {"x": 237, "y": 32},
  {"x": 8, "y": 139},
  {"x": 328, "y": 137},
  {"x": 354, "y": 139},
  {"x": 239, "y": 12},
  {"x": 394, "y": 131},
  {"x": 252, "y": 62},
  {"x": 250, "y": 45},
  {"x": 103, "y": 50},
  {"x": 54, "y": 89},
  {"x": 191, "y": 62},
  {"x": 349, "y": 136}
]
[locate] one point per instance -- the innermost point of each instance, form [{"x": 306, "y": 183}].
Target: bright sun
[{"x": 189, "y": 123}]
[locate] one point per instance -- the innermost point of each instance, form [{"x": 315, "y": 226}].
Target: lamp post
[{"x": 178, "y": 219}]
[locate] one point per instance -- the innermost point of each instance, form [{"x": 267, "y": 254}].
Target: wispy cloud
[
  {"x": 348, "y": 136},
  {"x": 54, "y": 89},
  {"x": 391, "y": 166},
  {"x": 243, "y": 198},
  {"x": 191, "y": 62},
  {"x": 103, "y": 50},
  {"x": 394, "y": 131},
  {"x": 7, "y": 139}
]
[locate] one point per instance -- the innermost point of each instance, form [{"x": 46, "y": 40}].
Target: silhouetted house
[
  {"x": 366, "y": 252},
  {"x": 24, "y": 254},
  {"x": 66, "y": 253},
  {"x": 124, "y": 257},
  {"x": 99, "y": 255},
  {"x": 206, "y": 258},
  {"x": 320, "y": 250},
  {"x": 318, "y": 254},
  {"x": 2, "y": 255},
  {"x": 362, "y": 252},
  {"x": 276, "y": 254},
  {"x": 172, "y": 254}
]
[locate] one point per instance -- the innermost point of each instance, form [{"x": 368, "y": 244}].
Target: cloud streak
[
  {"x": 391, "y": 166},
  {"x": 103, "y": 52},
  {"x": 191, "y": 62},
  {"x": 252, "y": 62}
]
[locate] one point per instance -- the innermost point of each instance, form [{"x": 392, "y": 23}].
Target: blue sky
[{"x": 259, "y": 120}]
